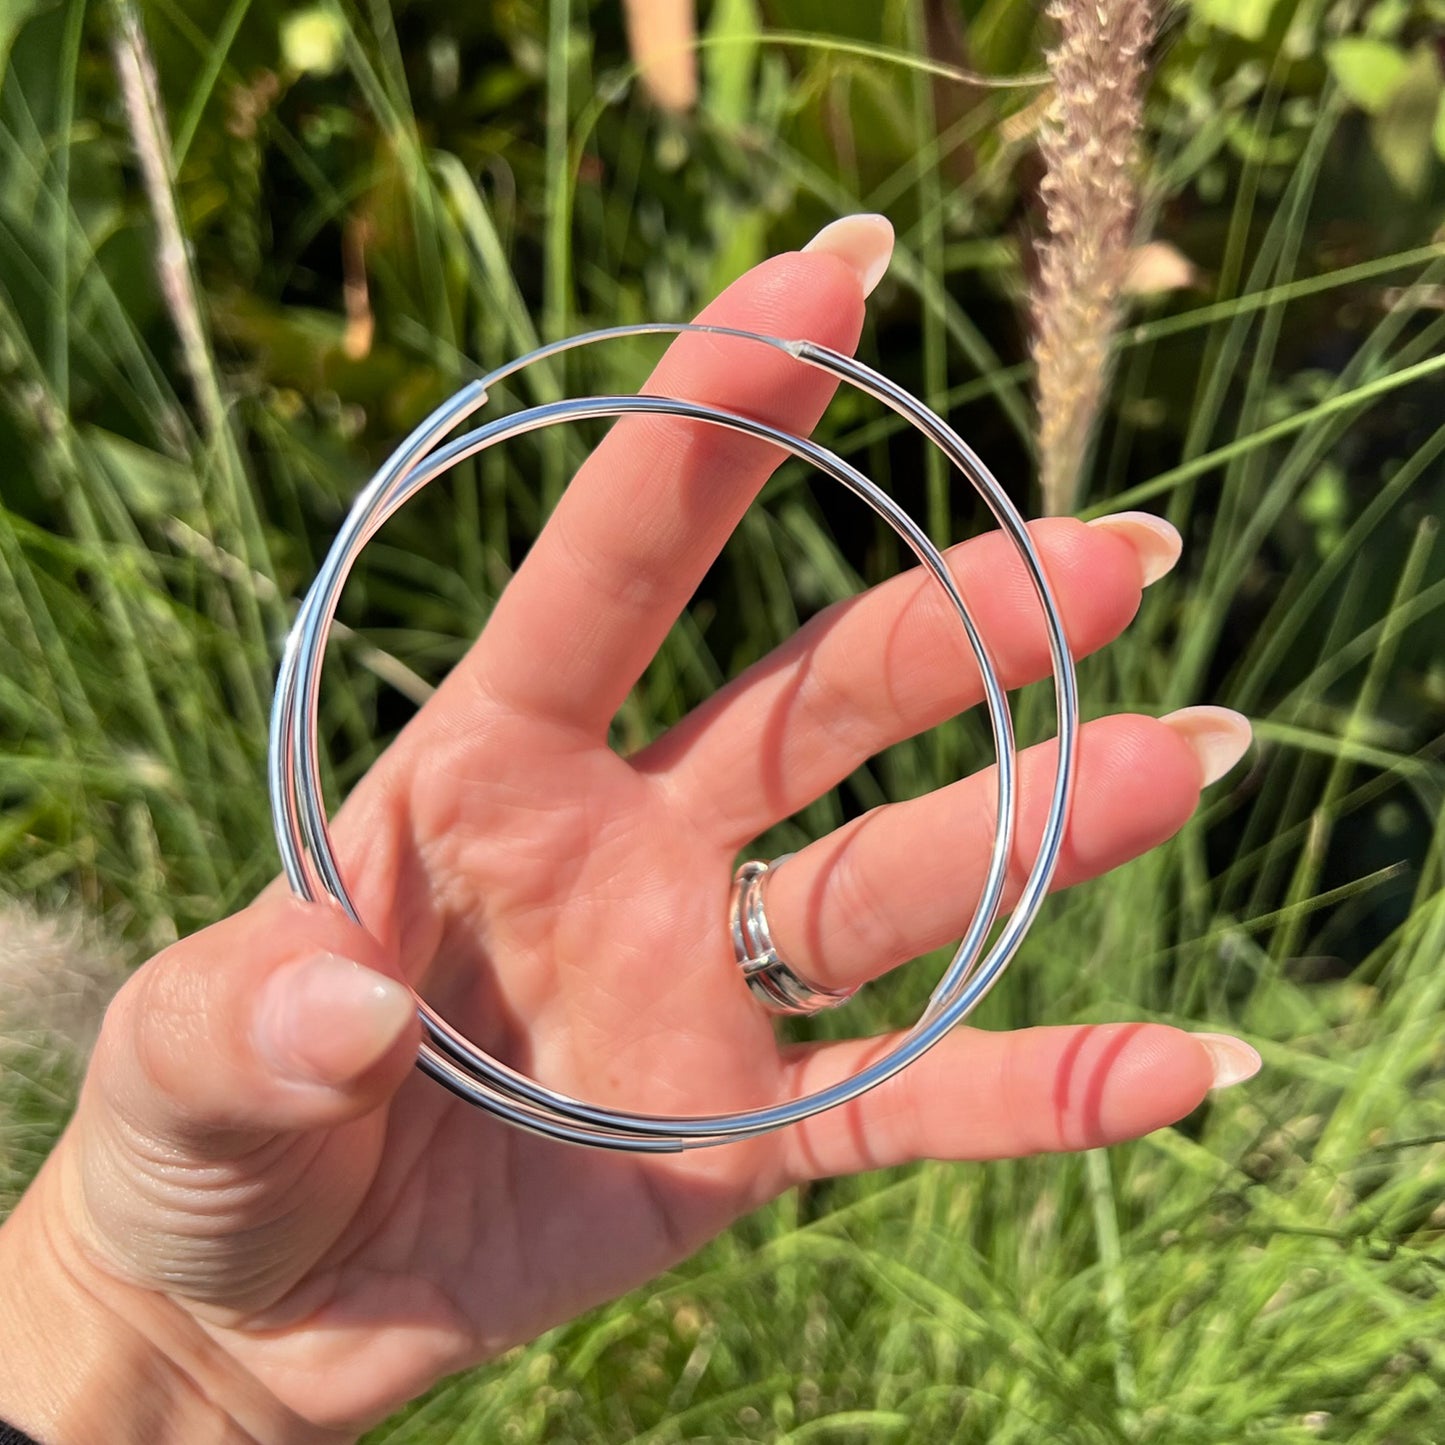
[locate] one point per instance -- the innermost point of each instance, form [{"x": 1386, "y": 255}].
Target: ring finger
[{"x": 905, "y": 878}]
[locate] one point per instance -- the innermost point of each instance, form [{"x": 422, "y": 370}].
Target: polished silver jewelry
[
  {"x": 294, "y": 767},
  {"x": 773, "y": 981}
]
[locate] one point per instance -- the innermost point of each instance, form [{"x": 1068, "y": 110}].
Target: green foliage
[
  {"x": 1369, "y": 71},
  {"x": 1249, "y": 19},
  {"x": 1269, "y": 1270}
]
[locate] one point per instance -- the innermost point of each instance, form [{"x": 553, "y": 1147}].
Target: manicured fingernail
[
  {"x": 1218, "y": 735},
  {"x": 1155, "y": 541},
  {"x": 1233, "y": 1059},
  {"x": 326, "y": 1020},
  {"x": 865, "y": 242}
]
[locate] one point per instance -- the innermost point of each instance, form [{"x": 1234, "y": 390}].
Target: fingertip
[
  {"x": 1138, "y": 785},
  {"x": 327, "y": 1021},
  {"x": 1231, "y": 1060},
  {"x": 1217, "y": 738},
  {"x": 1151, "y": 1075},
  {"x": 246, "y": 1029},
  {"x": 1154, "y": 542},
  {"x": 863, "y": 242},
  {"x": 1101, "y": 562},
  {"x": 1094, "y": 573},
  {"x": 797, "y": 295}
]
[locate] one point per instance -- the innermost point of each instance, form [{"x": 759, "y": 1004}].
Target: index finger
[{"x": 650, "y": 510}]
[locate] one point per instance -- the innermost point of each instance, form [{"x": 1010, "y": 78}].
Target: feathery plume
[
  {"x": 1089, "y": 142},
  {"x": 56, "y": 979}
]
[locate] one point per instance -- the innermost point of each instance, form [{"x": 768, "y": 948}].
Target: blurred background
[{"x": 245, "y": 246}]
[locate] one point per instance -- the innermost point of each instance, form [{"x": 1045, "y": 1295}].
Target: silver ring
[
  {"x": 294, "y": 766},
  {"x": 774, "y": 982}
]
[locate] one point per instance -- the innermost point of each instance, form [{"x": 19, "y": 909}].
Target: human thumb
[{"x": 284, "y": 1018}]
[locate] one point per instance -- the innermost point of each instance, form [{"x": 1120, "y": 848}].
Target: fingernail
[
  {"x": 1233, "y": 1059},
  {"x": 1155, "y": 542},
  {"x": 1218, "y": 735},
  {"x": 326, "y": 1020},
  {"x": 865, "y": 242}
]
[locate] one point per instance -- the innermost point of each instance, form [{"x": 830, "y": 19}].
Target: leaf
[
  {"x": 13, "y": 16},
  {"x": 1440, "y": 127},
  {"x": 1000, "y": 37},
  {"x": 151, "y": 484},
  {"x": 731, "y": 60},
  {"x": 1401, "y": 132},
  {"x": 1249, "y": 19},
  {"x": 312, "y": 41},
  {"x": 1368, "y": 71}
]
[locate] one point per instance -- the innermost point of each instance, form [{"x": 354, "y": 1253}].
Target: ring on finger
[{"x": 774, "y": 982}]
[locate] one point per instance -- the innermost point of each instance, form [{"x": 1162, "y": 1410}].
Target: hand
[{"x": 309, "y": 1231}]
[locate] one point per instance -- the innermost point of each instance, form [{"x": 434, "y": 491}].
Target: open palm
[{"x": 346, "y": 1237}]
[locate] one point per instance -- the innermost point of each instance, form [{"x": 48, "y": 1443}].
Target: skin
[{"x": 236, "y": 1243}]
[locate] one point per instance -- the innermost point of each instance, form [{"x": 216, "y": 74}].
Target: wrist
[{"x": 87, "y": 1359}]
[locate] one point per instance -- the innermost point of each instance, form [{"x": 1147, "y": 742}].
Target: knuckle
[{"x": 830, "y": 704}]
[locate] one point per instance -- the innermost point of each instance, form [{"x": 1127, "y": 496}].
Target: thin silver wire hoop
[{"x": 294, "y": 771}]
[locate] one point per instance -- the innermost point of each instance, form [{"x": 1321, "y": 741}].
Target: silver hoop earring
[{"x": 294, "y": 766}]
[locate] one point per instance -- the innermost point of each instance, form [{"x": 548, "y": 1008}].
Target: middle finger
[{"x": 892, "y": 662}]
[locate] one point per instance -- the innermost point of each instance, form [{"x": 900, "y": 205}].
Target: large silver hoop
[{"x": 295, "y": 775}]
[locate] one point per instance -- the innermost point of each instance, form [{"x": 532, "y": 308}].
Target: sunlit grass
[{"x": 1269, "y": 1270}]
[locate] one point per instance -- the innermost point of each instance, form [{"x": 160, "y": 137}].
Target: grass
[{"x": 1270, "y": 1269}]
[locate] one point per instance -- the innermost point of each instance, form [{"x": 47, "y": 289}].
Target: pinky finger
[{"x": 981, "y": 1095}]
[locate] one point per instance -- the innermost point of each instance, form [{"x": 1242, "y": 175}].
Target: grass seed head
[{"x": 1089, "y": 140}]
